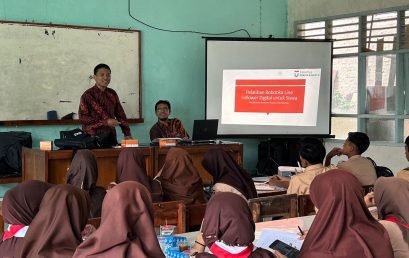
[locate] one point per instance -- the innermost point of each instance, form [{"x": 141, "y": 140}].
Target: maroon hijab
[
  {"x": 83, "y": 173},
  {"x": 343, "y": 226},
  {"x": 126, "y": 228},
  {"x": 20, "y": 206},
  {"x": 56, "y": 229},
  {"x": 228, "y": 219},
  {"x": 180, "y": 179},
  {"x": 131, "y": 167},
  {"x": 392, "y": 199},
  {"x": 225, "y": 169}
]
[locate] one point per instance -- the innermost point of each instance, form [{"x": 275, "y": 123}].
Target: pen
[
  {"x": 299, "y": 165},
  {"x": 302, "y": 232}
]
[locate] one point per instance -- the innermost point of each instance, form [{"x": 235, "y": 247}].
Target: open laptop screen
[{"x": 205, "y": 129}]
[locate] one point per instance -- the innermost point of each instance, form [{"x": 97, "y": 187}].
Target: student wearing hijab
[
  {"x": 126, "y": 228},
  {"x": 56, "y": 229},
  {"x": 343, "y": 226},
  {"x": 228, "y": 176},
  {"x": 131, "y": 167},
  {"x": 180, "y": 179},
  {"x": 228, "y": 228},
  {"x": 20, "y": 206},
  {"x": 83, "y": 173},
  {"x": 392, "y": 199}
]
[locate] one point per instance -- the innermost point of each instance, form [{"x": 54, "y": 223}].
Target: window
[{"x": 369, "y": 82}]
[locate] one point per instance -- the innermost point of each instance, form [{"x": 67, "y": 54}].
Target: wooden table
[
  {"x": 264, "y": 189},
  {"x": 52, "y": 166}
]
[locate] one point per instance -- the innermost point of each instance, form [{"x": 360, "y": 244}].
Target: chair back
[
  {"x": 170, "y": 213},
  {"x": 275, "y": 207},
  {"x": 305, "y": 205},
  {"x": 194, "y": 216}
]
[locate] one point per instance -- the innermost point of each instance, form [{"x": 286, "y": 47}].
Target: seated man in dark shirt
[
  {"x": 166, "y": 127},
  {"x": 100, "y": 109}
]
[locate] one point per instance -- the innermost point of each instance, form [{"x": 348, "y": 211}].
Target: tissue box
[
  {"x": 130, "y": 143},
  {"x": 46, "y": 145}
]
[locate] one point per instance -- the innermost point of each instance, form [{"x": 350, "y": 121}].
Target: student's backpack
[
  {"x": 75, "y": 139},
  {"x": 380, "y": 170}
]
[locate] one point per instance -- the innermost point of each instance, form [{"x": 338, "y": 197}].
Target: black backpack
[
  {"x": 380, "y": 170},
  {"x": 75, "y": 139}
]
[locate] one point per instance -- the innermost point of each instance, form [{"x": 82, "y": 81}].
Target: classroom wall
[
  {"x": 390, "y": 155},
  {"x": 173, "y": 65}
]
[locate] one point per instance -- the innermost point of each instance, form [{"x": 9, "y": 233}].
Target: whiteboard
[{"x": 47, "y": 67}]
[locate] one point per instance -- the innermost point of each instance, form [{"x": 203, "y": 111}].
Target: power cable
[{"x": 183, "y": 31}]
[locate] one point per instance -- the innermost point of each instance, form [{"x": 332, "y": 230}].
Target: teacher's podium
[{"x": 52, "y": 166}]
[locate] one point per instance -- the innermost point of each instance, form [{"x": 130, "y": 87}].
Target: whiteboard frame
[{"x": 28, "y": 122}]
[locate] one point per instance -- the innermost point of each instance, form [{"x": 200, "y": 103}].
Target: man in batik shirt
[
  {"x": 100, "y": 109},
  {"x": 166, "y": 127}
]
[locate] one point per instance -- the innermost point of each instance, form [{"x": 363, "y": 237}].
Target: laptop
[{"x": 204, "y": 131}]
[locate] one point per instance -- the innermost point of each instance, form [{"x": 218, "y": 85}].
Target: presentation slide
[
  {"x": 271, "y": 97},
  {"x": 269, "y": 87}
]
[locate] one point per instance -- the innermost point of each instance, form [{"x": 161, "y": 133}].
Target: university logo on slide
[{"x": 270, "y": 96}]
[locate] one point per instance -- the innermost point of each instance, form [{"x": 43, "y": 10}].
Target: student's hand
[
  {"x": 335, "y": 152},
  {"x": 302, "y": 237},
  {"x": 128, "y": 137},
  {"x": 279, "y": 255},
  {"x": 199, "y": 245},
  {"x": 279, "y": 181},
  {"x": 112, "y": 122},
  {"x": 331, "y": 154},
  {"x": 279, "y": 178},
  {"x": 369, "y": 200}
]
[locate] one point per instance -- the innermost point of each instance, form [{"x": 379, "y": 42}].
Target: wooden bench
[{"x": 282, "y": 206}]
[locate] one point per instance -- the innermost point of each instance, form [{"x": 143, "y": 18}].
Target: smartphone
[{"x": 285, "y": 249}]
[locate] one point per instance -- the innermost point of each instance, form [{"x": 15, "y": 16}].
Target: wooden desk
[
  {"x": 197, "y": 153},
  {"x": 52, "y": 166}
]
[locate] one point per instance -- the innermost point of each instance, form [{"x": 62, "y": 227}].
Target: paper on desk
[
  {"x": 268, "y": 236},
  {"x": 267, "y": 187}
]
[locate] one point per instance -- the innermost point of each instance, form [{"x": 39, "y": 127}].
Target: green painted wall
[{"x": 173, "y": 65}]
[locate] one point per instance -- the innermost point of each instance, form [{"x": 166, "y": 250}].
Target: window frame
[{"x": 402, "y": 65}]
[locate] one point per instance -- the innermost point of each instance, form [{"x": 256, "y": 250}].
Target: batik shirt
[
  {"x": 173, "y": 128},
  {"x": 96, "y": 107}
]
